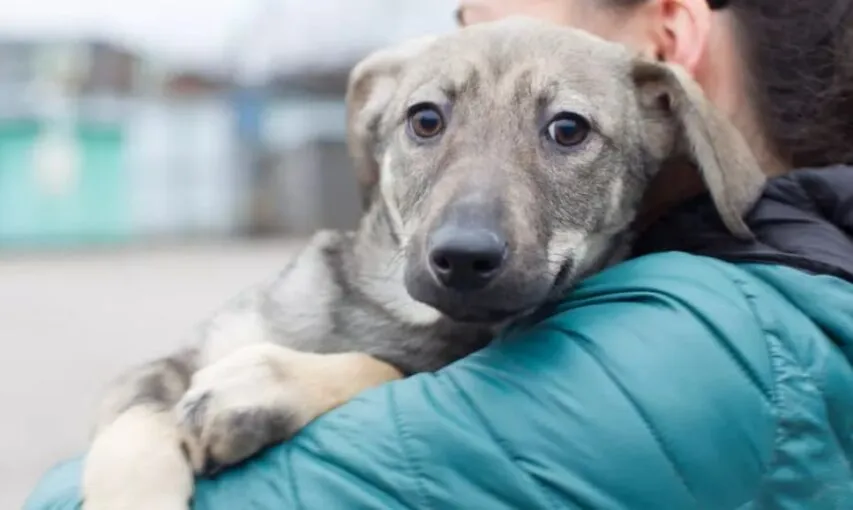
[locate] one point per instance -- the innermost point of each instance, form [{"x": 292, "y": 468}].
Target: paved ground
[{"x": 68, "y": 323}]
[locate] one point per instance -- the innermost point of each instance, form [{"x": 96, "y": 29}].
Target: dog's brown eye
[
  {"x": 425, "y": 121},
  {"x": 568, "y": 130}
]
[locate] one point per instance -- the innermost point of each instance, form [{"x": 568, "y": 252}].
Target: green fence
[{"x": 87, "y": 204}]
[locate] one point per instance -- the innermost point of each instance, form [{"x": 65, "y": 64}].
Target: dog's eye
[
  {"x": 568, "y": 129},
  {"x": 425, "y": 121}
]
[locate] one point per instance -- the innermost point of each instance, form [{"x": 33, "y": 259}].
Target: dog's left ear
[
  {"x": 372, "y": 84},
  {"x": 682, "y": 122}
]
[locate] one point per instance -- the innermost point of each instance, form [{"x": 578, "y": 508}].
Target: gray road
[{"x": 68, "y": 323}]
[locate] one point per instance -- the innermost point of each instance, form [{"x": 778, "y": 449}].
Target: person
[{"x": 702, "y": 373}]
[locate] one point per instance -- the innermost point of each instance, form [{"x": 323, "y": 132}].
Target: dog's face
[{"x": 511, "y": 156}]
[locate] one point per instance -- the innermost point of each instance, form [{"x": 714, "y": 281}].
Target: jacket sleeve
[{"x": 650, "y": 388}]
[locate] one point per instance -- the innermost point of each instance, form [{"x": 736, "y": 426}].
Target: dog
[{"x": 499, "y": 165}]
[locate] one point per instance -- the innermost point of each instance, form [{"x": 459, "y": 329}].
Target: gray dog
[{"x": 499, "y": 165}]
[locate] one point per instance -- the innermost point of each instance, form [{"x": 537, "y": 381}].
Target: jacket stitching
[
  {"x": 503, "y": 444},
  {"x": 767, "y": 391},
  {"x": 656, "y": 436},
  {"x": 777, "y": 359},
  {"x": 421, "y": 493},
  {"x": 777, "y": 399},
  {"x": 291, "y": 476}
]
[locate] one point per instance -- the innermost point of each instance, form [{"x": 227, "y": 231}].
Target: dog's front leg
[
  {"x": 136, "y": 460},
  {"x": 264, "y": 394},
  {"x": 136, "y": 463}
]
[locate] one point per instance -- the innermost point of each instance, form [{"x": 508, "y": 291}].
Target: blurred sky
[{"x": 211, "y": 32}]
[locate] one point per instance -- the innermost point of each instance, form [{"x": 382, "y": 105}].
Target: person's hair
[{"x": 799, "y": 59}]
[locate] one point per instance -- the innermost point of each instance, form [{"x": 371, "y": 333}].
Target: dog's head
[{"x": 509, "y": 156}]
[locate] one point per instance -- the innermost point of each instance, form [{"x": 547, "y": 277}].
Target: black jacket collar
[{"x": 803, "y": 220}]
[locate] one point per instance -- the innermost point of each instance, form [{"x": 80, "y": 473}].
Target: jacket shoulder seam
[
  {"x": 504, "y": 446},
  {"x": 420, "y": 492},
  {"x": 775, "y": 357}
]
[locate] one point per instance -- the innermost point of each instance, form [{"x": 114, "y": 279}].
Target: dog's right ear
[
  {"x": 693, "y": 127},
  {"x": 372, "y": 85}
]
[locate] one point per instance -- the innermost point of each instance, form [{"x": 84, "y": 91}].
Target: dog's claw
[
  {"x": 211, "y": 467},
  {"x": 233, "y": 409},
  {"x": 264, "y": 394}
]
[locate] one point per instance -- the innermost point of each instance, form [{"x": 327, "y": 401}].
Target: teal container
[{"x": 89, "y": 205}]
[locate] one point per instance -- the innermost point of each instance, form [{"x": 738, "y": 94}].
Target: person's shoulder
[
  {"x": 665, "y": 272},
  {"x": 670, "y": 286},
  {"x": 663, "y": 310},
  {"x": 635, "y": 354},
  {"x": 656, "y": 299}
]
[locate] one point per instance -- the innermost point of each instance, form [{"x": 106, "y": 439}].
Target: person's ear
[{"x": 682, "y": 31}]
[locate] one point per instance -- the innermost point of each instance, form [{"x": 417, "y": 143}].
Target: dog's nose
[{"x": 466, "y": 259}]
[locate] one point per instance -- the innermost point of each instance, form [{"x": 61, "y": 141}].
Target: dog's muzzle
[{"x": 467, "y": 267}]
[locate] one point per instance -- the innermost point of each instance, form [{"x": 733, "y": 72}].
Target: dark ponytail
[
  {"x": 800, "y": 59},
  {"x": 799, "y": 56}
]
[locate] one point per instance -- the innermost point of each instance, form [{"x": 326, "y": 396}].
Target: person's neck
[
  {"x": 679, "y": 181},
  {"x": 671, "y": 186}
]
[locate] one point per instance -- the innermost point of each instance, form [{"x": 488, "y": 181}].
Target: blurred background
[{"x": 156, "y": 157}]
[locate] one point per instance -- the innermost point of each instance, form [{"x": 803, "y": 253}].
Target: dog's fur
[{"x": 341, "y": 319}]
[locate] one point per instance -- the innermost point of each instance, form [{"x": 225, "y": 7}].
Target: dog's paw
[
  {"x": 264, "y": 394},
  {"x": 237, "y": 406}
]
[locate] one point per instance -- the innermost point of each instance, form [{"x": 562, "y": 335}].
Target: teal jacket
[{"x": 672, "y": 381}]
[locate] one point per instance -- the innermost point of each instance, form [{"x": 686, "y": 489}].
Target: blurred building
[
  {"x": 102, "y": 141},
  {"x": 99, "y": 146}
]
